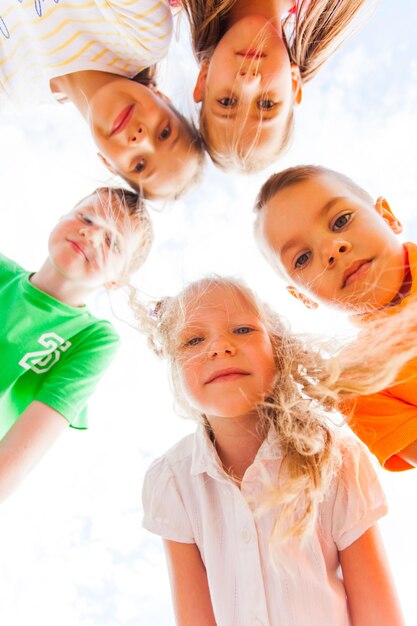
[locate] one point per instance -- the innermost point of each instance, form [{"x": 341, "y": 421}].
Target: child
[
  {"x": 263, "y": 503},
  {"x": 53, "y": 350},
  {"x": 334, "y": 244},
  {"x": 92, "y": 54},
  {"x": 254, "y": 60}
]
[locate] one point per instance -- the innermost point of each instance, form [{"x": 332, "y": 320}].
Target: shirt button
[{"x": 245, "y": 535}]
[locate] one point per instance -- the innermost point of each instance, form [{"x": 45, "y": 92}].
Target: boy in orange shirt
[{"x": 332, "y": 242}]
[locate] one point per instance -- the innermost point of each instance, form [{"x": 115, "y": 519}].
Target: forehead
[{"x": 305, "y": 203}]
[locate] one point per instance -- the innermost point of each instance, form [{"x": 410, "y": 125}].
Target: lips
[
  {"x": 122, "y": 120},
  {"x": 251, "y": 53},
  {"x": 226, "y": 375},
  {"x": 77, "y": 248},
  {"x": 355, "y": 271}
]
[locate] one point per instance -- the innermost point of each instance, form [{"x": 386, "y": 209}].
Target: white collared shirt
[{"x": 187, "y": 497}]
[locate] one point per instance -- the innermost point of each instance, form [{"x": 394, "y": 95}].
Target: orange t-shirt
[{"x": 387, "y": 421}]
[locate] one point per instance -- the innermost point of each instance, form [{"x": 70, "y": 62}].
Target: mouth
[
  {"x": 251, "y": 53},
  {"x": 226, "y": 375},
  {"x": 355, "y": 271},
  {"x": 122, "y": 120},
  {"x": 78, "y": 249}
]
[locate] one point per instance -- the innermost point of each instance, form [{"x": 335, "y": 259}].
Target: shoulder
[
  {"x": 357, "y": 500},
  {"x": 9, "y": 269},
  {"x": 99, "y": 332},
  {"x": 174, "y": 460}
]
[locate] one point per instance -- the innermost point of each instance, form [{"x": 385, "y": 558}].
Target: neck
[
  {"x": 48, "y": 280},
  {"x": 237, "y": 441},
  {"x": 272, "y": 10},
  {"x": 80, "y": 87}
]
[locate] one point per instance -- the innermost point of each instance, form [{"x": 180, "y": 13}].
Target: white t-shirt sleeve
[
  {"x": 163, "y": 506},
  {"x": 359, "y": 501}
]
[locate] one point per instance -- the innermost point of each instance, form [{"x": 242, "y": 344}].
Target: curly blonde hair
[
  {"x": 311, "y": 36},
  {"x": 310, "y": 382}
]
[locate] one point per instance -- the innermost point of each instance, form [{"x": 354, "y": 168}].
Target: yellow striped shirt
[{"x": 42, "y": 39}]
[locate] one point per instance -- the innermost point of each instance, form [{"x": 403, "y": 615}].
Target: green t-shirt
[{"x": 50, "y": 351}]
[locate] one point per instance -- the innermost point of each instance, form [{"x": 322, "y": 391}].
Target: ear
[
  {"x": 384, "y": 210},
  {"x": 106, "y": 163},
  {"x": 297, "y": 85},
  {"x": 200, "y": 85},
  {"x": 308, "y": 302}
]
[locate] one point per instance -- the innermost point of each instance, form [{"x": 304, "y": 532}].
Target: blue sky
[{"x": 72, "y": 549}]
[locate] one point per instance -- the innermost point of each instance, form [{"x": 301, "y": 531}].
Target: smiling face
[
  {"x": 225, "y": 357},
  {"x": 90, "y": 245},
  {"x": 248, "y": 89},
  {"x": 334, "y": 244},
  {"x": 142, "y": 139}
]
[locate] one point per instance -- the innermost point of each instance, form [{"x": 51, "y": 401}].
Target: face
[
  {"x": 248, "y": 88},
  {"x": 89, "y": 246},
  {"x": 141, "y": 138},
  {"x": 333, "y": 244},
  {"x": 225, "y": 357}
]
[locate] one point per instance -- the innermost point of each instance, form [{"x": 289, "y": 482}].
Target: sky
[{"x": 71, "y": 544}]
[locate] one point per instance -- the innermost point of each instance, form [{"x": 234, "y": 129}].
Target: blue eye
[
  {"x": 194, "y": 341},
  {"x": 266, "y": 105},
  {"x": 341, "y": 221},
  {"x": 165, "y": 133},
  {"x": 86, "y": 219},
  {"x": 243, "y": 330},
  {"x": 227, "y": 102},
  {"x": 302, "y": 260}
]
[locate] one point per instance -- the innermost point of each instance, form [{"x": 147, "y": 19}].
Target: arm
[
  {"x": 189, "y": 585},
  {"x": 369, "y": 587},
  {"x": 26, "y": 442},
  {"x": 409, "y": 454}
]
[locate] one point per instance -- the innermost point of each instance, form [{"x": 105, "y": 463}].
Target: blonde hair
[
  {"x": 311, "y": 36},
  {"x": 311, "y": 380}
]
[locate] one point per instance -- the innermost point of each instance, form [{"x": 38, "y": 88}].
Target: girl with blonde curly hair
[
  {"x": 263, "y": 504},
  {"x": 254, "y": 59}
]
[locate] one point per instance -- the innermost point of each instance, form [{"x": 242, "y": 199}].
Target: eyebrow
[{"x": 322, "y": 213}]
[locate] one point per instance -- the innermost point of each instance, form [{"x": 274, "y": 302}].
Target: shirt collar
[{"x": 206, "y": 460}]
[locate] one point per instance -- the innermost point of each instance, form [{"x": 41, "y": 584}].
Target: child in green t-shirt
[{"x": 54, "y": 351}]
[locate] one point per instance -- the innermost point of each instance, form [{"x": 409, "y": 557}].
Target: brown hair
[
  {"x": 311, "y": 36},
  {"x": 293, "y": 175}
]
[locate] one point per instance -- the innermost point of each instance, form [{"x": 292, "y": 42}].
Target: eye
[
  {"x": 86, "y": 219},
  {"x": 194, "y": 341},
  {"x": 341, "y": 221},
  {"x": 140, "y": 166},
  {"x": 228, "y": 102},
  {"x": 243, "y": 330},
  {"x": 302, "y": 260},
  {"x": 266, "y": 105},
  {"x": 165, "y": 133},
  {"x": 111, "y": 243}
]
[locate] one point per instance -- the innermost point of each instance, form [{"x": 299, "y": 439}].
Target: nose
[
  {"x": 333, "y": 250},
  {"x": 93, "y": 234},
  {"x": 220, "y": 347},
  {"x": 138, "y": 135},
  {"x": 249, "y": 76}
]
